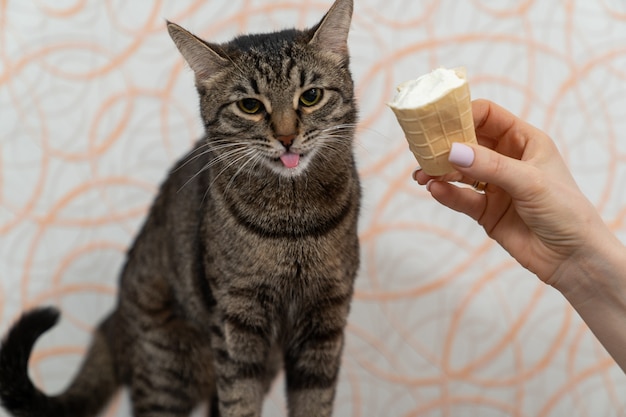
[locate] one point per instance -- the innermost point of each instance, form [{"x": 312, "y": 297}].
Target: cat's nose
[{"x": 286, "y": 140}]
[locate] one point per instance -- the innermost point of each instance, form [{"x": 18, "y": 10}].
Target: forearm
[{"x": 594, "y": 282}]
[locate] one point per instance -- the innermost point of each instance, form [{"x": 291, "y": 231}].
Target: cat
[{"x": 246, "y": 262}]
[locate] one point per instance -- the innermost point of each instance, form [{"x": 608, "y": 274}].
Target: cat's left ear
[
  {"x": 331, "y": 33},
  {"x": 202, "y": 59}
]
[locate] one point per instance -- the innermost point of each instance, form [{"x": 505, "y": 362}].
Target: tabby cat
[{"x": 246, "y": 262}]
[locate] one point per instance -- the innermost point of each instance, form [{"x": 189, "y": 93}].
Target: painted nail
[{"x": 461, "y": 155}]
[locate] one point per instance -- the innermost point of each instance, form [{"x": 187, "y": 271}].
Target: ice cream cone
[{"x": 431, "y": 128}]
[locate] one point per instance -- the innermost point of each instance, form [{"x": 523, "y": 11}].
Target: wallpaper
[{"x": 96, "y": 104}]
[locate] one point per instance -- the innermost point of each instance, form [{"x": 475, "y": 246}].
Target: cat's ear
[
  {"x": 202, "y": 59},
  {"x": 331, "y": 33}
]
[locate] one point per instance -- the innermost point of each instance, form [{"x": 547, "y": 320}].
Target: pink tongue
[{"x": 290, "y": 159}]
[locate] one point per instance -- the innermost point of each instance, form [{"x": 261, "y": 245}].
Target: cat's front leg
[
  {"x": 312, "y": 366},
  {"x": 242, "y": 367}
]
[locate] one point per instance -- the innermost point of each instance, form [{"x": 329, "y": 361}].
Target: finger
[
  {"x": 497, "y": 128},
  {"x": 485, "y": 165},
  {"x": 463, "y": 200},
  {"x": 492, "y": 121},
  {"x": 423, "y": 178}
]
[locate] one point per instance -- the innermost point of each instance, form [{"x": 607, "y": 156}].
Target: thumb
[{"x": 484, "y": 164}]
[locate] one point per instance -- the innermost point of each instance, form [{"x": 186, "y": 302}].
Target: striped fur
[{"x": 245, "y": 264}]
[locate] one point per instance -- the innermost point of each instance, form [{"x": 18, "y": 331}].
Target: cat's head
[{"x": 277, "y": 100}]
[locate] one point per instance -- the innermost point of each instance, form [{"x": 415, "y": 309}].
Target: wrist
[
  {"x": 596, "y": 273},
  {"x": 595, "y": 285}
]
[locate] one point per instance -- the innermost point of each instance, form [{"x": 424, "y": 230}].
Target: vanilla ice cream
[{"x": 434, "y": 111}]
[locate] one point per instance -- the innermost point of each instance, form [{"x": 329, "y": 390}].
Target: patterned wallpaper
[{"x": 96, "y": 103}]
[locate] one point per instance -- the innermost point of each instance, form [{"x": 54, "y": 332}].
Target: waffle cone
[{"x": 431, "y": 129}]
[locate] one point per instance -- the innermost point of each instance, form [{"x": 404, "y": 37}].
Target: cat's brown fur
[{"x": 247, "y": 259}]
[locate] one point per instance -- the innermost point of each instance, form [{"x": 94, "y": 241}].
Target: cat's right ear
[{"x": 202, "y": 59}]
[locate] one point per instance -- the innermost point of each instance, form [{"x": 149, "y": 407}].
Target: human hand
[{"x": 531, "y": 206}]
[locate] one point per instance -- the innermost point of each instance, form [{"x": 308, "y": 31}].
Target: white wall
[{"x": 95, "y": 104}]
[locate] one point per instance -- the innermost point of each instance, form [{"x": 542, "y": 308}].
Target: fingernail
[
  {"x": 461, "y": 155},
  {"x": 428, "y": 184},
  {"x": 414, "y": 174}
]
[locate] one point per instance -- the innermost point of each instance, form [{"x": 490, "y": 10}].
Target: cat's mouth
[
  {"x": 290, "y": 159},
  {"x": 290, "y": 163}
]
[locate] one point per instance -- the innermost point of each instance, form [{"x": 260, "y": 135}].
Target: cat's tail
[{"x": 95, "y": 383}]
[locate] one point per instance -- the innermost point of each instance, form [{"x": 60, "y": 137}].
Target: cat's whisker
[
  {"x": 339, "y": 128},
  {"x": 190, "y": 160},
  {"x": 245, "y": 154},
  {"x": 208, "y": 165},
  {"x": 186, "y": 159},
  {"x": 195, "y": 154},
  {"x": 234, "y": 155},
  {"x": 253, "y": 157}
]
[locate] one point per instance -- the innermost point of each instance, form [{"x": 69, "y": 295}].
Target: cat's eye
[
  {"x": 311, "y": 97},
  {"x": 250, "y": 105}
]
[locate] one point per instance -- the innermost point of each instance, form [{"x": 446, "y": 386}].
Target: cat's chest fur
[
  {"x": 288, "y": 243},
  {"x": 297, "y": 236}
]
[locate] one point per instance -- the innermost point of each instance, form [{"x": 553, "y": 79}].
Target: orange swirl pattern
[{"x": 96, "y": 104}]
